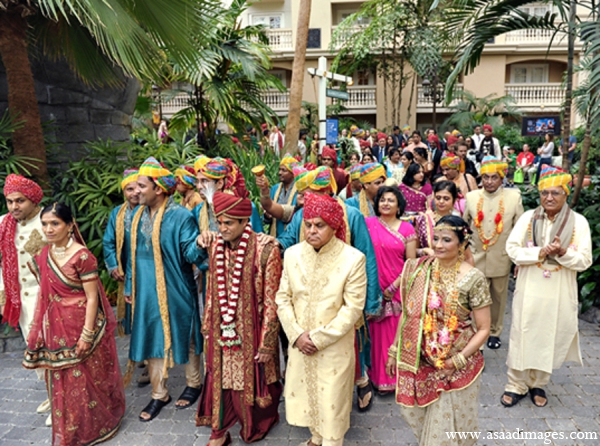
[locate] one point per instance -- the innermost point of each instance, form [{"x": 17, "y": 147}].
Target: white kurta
[
  {"x": 29, "y": 240},
  {"x": 544, "y": 331},
  {"x": 322, "y": 293}
]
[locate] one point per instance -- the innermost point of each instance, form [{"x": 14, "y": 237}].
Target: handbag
[{"x": 519, "y": 177}]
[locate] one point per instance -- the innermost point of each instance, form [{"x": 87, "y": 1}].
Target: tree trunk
[
  {"x": 585, "y": 149},
  {"x": 566, "y": 128},
  {"x": 28, "y": 139},
  {"x": 292, "y": 129}
]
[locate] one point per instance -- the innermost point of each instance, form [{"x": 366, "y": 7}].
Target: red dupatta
[{"x": 52, "y": 341}]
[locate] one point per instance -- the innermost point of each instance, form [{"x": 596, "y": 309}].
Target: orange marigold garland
[{"x": 498, "y": 221}]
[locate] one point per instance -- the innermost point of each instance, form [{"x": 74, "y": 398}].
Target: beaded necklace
[{"x": 498, "y": 221}]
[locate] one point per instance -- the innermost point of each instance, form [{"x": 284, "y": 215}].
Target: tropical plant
[
  {"x": 232, "y": 91},
  {"x": 100, "y": 40},
  {"x": 396, "y": 35},
  {"x": 471, "y": 110}
]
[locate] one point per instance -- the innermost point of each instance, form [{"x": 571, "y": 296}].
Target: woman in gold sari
[{"x": 436, "y": 357}]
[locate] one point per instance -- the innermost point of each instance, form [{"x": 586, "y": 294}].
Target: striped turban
[
  {"x": 552, "y": 177},
  {"x": 355, "y": 172},
  {"x": 288, "y": 161},
  {"x": 231, "y": 206},
  {"x": 491, "y": 165},
  {"x": 372, "y": 171},
  {"x": 160, "y": 175},
  {"x": 129, "y": 176},
  {"x": 319, "y": 179},
  {"x": 200, "y": 162},
  {"x": 328, "y": 209},
  {"x": 187, "y": 175},
  {"x": 450, "y": 162},
  {"x": 216, "y": 169}
]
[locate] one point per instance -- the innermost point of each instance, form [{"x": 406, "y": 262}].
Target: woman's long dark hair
[{"x": 409, "y": 176}]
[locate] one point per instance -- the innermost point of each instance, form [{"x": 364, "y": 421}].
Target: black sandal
[
  {"x": 515, "y": 398},
  {"x": 494, "y": 342},
  {"x": 190, "y": 394},
  {"x": 361, "y": 393},
  {"x": 153, "y": 408},
  {"x": 536, "y": 391}
]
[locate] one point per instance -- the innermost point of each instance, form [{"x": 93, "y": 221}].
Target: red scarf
[{"x": 10, "y": 271}]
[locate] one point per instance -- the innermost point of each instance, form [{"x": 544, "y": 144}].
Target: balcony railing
[
  {"x": 361, "y": 98},
  {"x": 279, "y": 101},
  {"x": 176, "y": 103},
  {"x": 527, "y": 95},
  {"x": 280, "y": 39},
  {"x": 533, "y": 36},
  {"x": 426, "y": 101}
]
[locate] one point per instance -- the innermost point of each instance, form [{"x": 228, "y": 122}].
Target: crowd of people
[{"x": 389, "y": 274}]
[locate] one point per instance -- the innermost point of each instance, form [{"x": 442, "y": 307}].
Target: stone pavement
[{"x": 573, "y": 405}]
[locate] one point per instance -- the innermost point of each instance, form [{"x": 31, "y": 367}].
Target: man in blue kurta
[
  {"x": 116, "y": 245},
  {"x": 320, "y": 181},
  {"x": 166, "y": 322},
  {"x": 372, "y": 177},
  {"x": 283, "y": 193}
]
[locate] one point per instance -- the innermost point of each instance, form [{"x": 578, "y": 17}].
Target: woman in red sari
[{"x": 73, "y": 337}]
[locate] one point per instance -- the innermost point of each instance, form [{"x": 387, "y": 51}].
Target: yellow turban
[
  {"x": 129, "y": 176},
  {"x": 450, "y": 162},
  {"x": 288, "y": 161},
  {"x": 552, "y": 177},
  {"x": 491, "y": 165},
  {"x": 318, "y": 179},
  {"x": 372, "y": 171},
  {"x": 200, "y": 162}
]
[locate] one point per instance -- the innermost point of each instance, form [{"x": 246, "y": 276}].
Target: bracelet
[
  {"x": 392, "y": 352},
  {"x": 459, "y": 361},
  {"x": 392, "y": 288},
  {"x": 87, "y": 335}
]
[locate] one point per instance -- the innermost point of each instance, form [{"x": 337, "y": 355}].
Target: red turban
[
  {"x": 327, "y": 152},
  {"x": 328, "y": 209},
  {"x": 364, "y": 144},
  {"x": 17, "y": 183},
  {"x": 310, "y": 166},
  {"x": 231, "y": 206},
  {"x": 451, "y": 140},
  {"x": 434, "y": 138},
  {"x": 487, "y": 127},
  {"x": 381, "y": 136}
]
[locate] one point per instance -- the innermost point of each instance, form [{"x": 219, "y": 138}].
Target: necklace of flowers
[
  {"x": 230, "y": 339},
  {"x": 498, "y": 221},
  {"x": 438, "y": 341}
]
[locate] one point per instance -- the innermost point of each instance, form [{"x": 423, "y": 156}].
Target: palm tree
[
  {"x": 292, "y": 129},
  {"x": 233, "y": 91},
  {"x": 471, "y": 110},
  {"x": 100, "y": 40}
]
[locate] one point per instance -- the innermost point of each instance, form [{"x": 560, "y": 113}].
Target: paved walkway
[{"x": 574, "y": 405}]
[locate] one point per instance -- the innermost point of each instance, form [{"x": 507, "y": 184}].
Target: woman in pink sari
[
  {"x": 73, "y": 337},
  {"x": 415, "y": 189},
  {"x": 394, "y": 241}
]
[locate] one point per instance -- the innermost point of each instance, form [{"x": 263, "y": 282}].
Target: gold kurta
[
  {"x": 29, "y": 241},
  {"x": 322, "y": 293},
  {"x": 494, "y": 262},
  {"x": 544, "y": 331}
]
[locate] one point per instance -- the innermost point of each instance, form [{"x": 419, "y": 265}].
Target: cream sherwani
[
  {"x": 322, "y": 293},
  {"x": 29, "y": 240},
  {"x": 494, "y": 262},
  {"x": 544, "y": 331}
]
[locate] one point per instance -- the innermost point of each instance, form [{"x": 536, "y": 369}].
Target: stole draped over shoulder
[
  {"x": 256, "y": 324},
  {"x": 390, "y": 252},
  {"x": 87, "y": 396},
  {"x": 416, "y": 200}
]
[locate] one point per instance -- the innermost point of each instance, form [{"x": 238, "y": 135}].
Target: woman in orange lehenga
[
  {"x": 73, "y": 337},
  {"x": 435, "y": 356}
]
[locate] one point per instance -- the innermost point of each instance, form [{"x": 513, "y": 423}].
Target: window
[
  {"x": 272, "y": 21},
  {"x": 363, "y": 77},
  {"x": 529, "y": 74},
  {"x": 536, "y": 9},
  {"x": 343, "y": 14},
  {"x": 281, "y": 75}
]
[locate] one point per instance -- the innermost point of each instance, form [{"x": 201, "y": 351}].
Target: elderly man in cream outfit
[
  {"x": 492, "y": 213},
  {"x": 320, "y": 298},
  {"x": 550, "y": 244},
  {"x": 21, "y": 237}
]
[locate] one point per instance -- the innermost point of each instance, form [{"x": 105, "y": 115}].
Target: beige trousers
[
  {"x": 499, "y": 292},
  {"x": 159, "y": 382},
  {"x": 25, "y": 322},
  {"x": 318, "y": 440},
  {"x": 520, "y": 381}
]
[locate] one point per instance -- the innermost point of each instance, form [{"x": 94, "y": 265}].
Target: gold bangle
[
  {"x": 85, "y": 338},
  {"x": 459, "y": 361}
]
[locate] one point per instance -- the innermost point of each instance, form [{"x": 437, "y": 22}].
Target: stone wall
[{"x": 79, "y": 112}]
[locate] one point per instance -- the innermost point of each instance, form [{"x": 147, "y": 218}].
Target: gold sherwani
[
  {"x": 544, "y": 330},
  {"x": 322, "y": 293},
  {"x": 29, "y": 241}
]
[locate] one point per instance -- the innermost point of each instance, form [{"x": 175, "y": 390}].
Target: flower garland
[
  {"x": 498, "y": 221},
  {"x": 230, "y": 339},
  {"x": 441, "y": 306}
]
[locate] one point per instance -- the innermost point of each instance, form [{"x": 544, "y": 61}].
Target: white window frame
[
  {"x": 341, "y": 12},
  {"x": 268, "y": 16},
  {"x": 529, "y": 67},
  {"x": 283, "y": 74}
]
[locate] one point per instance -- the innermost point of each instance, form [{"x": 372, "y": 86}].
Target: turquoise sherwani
[
  {"x": 109, "y": 246},
  {"x": 282, "y": 200},
  {"x": 354, "y": 202},
  {"x": 361, "y": 240},
  {"x": 178, "y": 234}
]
